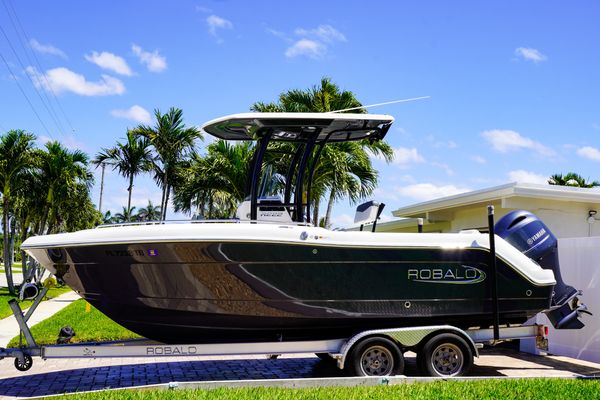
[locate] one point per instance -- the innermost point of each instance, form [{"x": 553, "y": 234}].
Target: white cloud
[
  {"x": 135, "y": 113},
  {"x": 589, "y": 152},
  {"x": 46, "y": 49},
  {"x": 109, "y": 61},
  {"x": 69, "y": 141},
  {"x": 404, "y": 156},
  {"x": 61, "y": 80},
  {"x": 325, "y": 33},
  {"x": 341, "y": 220},
  {"x": 505, "y": 141},
  {"x": 523, "y": 176},
  {"x": 449, "y": 171},
  {"x": 479, "y": 159},
  {"x": 153, "y": 61},
  {"x": 279, "y": 34},
  {"x": 306, "y": 47},
  {"x": 313, "y": 43},
  {"x": 215, "y": 23},
  {"x": 530, "y": 54},
  {"x": 203, "y": 9},
  {"x": 429, "y": 191},
  {"x": 450, "y": 144}
]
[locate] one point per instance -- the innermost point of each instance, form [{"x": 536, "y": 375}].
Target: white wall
[
  {"x": 580, "y": 268},
  {"x": 565, "y": 219}
]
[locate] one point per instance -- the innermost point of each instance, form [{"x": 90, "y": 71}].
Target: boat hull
[{"x": 203, "y": 291}]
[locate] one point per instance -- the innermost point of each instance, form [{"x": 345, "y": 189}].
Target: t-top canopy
[{"x": 332, "y": 127}]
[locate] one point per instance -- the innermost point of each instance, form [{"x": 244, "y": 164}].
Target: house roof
[{"x": 523, "y": 190}]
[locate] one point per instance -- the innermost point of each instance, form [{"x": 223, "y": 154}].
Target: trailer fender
[{"x": 404, "y": 337}]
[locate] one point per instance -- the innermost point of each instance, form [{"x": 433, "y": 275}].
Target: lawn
[
  {"x": 17, "y": 267},
  {"x": 522, "y": 389},
  {"x": 90, "y": 325},
  {"x": 5, "y": 310}
]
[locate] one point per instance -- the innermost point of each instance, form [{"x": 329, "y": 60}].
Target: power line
[
  {"x": 37, "y": 61},
  {"x": 25, "y": 95},
  {"x": 28, "y": 75},
  {"x": 52, "y": 111}
]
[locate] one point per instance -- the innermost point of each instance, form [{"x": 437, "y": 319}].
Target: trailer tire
[
  {"x": 375, "y": 356},
  {"x": 445, "y": 355},
  {"x": 25, "y": 365}
]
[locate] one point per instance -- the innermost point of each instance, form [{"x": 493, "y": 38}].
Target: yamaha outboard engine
[{"x": 531, "y": 236}]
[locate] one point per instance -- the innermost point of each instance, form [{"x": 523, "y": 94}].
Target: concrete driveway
[{"x": 65, "y": 376}]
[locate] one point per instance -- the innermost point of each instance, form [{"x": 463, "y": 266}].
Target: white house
[{"x": 568, "y": 211}]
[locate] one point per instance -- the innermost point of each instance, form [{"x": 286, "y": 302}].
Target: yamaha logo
[
  {"x": 458, "y": 274},
  {"x": 535, "y": 237}
]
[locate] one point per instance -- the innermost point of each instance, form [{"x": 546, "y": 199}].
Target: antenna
[{"x": 382, "y": 104}]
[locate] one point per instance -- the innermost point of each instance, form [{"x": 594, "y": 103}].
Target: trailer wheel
[
  {"x": 445, "y": 355},
  {"x": 25, "y": 365},
  {"x": 375, "y": 356}
]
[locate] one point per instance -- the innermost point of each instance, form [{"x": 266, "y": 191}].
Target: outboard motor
[{"x": 527, "y": 233}]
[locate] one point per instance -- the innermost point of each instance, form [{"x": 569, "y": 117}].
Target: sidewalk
[
  {"x": 9, "y": 327},
  {"x": 17, "y": 278}
]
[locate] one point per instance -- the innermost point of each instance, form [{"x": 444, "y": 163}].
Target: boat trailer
[{"x": 442, "y": 350}]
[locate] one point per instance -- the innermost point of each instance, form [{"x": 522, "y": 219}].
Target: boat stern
[{"x": 528, "y": 234}]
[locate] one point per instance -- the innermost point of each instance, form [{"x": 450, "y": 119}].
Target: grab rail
[{"x": 200, "y": 221}]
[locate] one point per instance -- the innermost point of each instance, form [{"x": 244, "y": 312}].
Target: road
[{"x": 67, "y": 376}]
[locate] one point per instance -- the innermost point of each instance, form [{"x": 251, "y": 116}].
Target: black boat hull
[{"x": 194, "y": 292}]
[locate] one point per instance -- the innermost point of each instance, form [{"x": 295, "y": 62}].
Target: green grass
[
  {"x": 89, "y": 326},
  {"x": 522, "y": 389},
  {"x": 5, "y": 310},
  {"x": 17, "y": 267}
]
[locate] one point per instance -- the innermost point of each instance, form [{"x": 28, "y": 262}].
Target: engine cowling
[{"x": 526, "y": 232}]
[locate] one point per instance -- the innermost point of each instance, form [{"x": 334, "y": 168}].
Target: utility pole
[{"x": 103, "y": 165}]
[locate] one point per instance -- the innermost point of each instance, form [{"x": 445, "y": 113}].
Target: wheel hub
[
  {"x": 447, "y": 359},
  {"x": 377, "y": 361}
]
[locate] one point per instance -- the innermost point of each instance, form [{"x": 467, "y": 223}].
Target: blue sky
[{"x": 514, "y": 85}]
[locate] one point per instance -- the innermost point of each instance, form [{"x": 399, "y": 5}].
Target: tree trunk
[
  {"x": 165, "y": 196},
  {"x": 315, "y": 216},
  {"x": 329, "y": 208},
  {"x": 13, "y": 231},
  {"x": 45, "y": 212},
  {"x": 7, "y": 257},
  {"x": 166, "y": 202},
  {"x": 27, "y": 273},
  {"x": 129, "y": 189},
  {"x": 101, "y": 187},
  {"x": 162, "y": 202}
]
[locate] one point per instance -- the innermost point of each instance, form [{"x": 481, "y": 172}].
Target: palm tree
[
  {"x": 216, "y": 183},
  {"x": 174, "y": 144},
  {"x": 571, "y": 179},
  {"x": 126, "y": 215},
  {"x": 16, "y": 160},
  {"x": 149, "y": 213},
  {"x": 130, "y": 158},
  {"x": 63, "y": 174},
  {"x": 107, "y": 218},
  {"x": 344, "y": 169}
]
